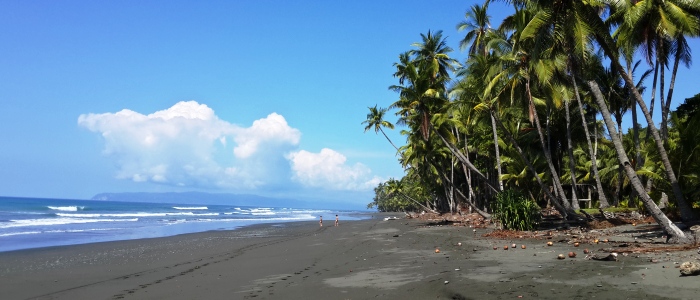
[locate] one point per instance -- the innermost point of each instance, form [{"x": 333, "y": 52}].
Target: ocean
[{"x": 33, "y": 223}]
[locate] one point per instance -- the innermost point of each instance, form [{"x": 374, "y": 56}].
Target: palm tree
[
  {"x": 603, "y": 201},
  {"x": 659, "y": 27},
  {"x": 681, "y": 53},
  {"x": 477, "y": 23},
  {"x": 432, "y": 55},
  {"x": 652, "y": 18},
  {"x": 589, "y": 13},
  {"x": 675, "y": 234},
  {"x": 375, "y": 119},
  {"x": 526, "y": 74}
]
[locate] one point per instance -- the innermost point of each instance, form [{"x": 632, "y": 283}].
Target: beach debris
[
  {"x": 561, "y": 256},
  {"x": 390, "y": 218},
  {"x": 459, "y": 244},
  {"x": 690, "y": 268},
  {"x": 572, "y": 254},
  {"x": 514, "y": 246},
  {"x": 694, "y": 230},
  {"x": 447, "y": 281},
  {"x": 550, "y": 243},
  {"x": 596, "y": 241},
  {"x": 495, "y": 248},
  {"x": 602, "y": 257}
]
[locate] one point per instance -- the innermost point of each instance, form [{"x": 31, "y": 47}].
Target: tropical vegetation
[{"x": 535, "y": 113}]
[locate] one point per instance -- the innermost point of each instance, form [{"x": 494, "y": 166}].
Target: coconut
[
  {"x": 437, "y": 250},
  {"x": 586, "y": 251},
  {"x": 550, "y": 243},
  {"x": 523, "y": 246},
  {"x": 505, "y": 247},
  {"x": 576, "y": 244},
  {"x": 572, "y": 254},
  {"x": 561, "y": 256}
]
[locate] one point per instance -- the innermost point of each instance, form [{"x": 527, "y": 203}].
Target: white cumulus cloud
[
  {"x": 328, "y": 169},
  {"x": 188, "y": 145}
]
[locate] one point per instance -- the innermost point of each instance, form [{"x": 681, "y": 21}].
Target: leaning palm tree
[
  {"x": 675, "y": 234},
  {"x": 659, "y": 29},
  {"x": 607, "y": 43},
  {"x": 375, "y": 119}
]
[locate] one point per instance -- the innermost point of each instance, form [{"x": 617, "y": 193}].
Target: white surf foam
[
  {"x": 58, "y": 221},
  {"x": 66, "y": 208},
  {"x": 191, "y": 208},
  {"x": 138, "y": 214}
]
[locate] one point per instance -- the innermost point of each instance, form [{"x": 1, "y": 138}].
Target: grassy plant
[{"x": 515, "y": 211}]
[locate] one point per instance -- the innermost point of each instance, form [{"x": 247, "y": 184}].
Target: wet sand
[{"x": 370, "y": 259}]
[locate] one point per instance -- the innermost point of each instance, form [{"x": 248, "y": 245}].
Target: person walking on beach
[
  {"x": 321, "y": 221},
  {"x": 336, "y": 220}
]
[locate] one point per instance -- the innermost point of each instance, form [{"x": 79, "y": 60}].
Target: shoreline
[{"x": 357, "y": 260}]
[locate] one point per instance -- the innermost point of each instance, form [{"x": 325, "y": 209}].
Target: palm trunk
[
  {"x": 572, "y": 166},
  {"x": 687, "y": 213},
  {"x": 666, "y": 109},
  {"x": 564, "y": 211},
  {"x": 620, "y": 171},
  {"x": 387, "y": 138},
  {"x": 498, "y": 155},
  {"x": 472, "y": 205},
  {"x": 418, "y": 203},
  {"x": 635, "y": 130},
  {"x": 675, "y": 234},
  {"x": 653, "y": 94},
  {"x": 464, "y": 160},
  {"x": 547, "y": 154},
  {"x": 661, "y": 100},
  {"x": 601, "y": 193}
]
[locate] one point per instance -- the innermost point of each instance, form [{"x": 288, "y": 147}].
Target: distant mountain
[{"x": 204, "y": 198}]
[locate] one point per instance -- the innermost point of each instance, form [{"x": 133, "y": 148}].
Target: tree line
[{"x": 537, "y": 107}]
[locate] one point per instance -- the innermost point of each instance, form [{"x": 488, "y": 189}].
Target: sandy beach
[{"x": 369, "y": 259}]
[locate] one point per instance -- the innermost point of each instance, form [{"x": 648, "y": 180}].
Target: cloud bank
[{"x": 187, "y": 145}]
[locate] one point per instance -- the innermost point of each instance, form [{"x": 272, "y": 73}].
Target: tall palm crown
[
  {"x": 433, "y": 55},
  {"x": 423, "y": 74},
  {"x": 649, "y": 22},
  {"x": 477, "y": 23}
]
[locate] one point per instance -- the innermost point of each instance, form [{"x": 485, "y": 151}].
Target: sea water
[{"x": 32, "y": 223}]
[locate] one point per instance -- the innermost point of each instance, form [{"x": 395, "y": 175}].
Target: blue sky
[{"x": 262, "y": 97}]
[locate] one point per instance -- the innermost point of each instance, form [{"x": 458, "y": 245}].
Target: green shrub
[{"x": 515, "y": 211}]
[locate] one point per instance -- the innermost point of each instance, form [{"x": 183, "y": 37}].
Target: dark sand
[{"x": 371, "y": 259}]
